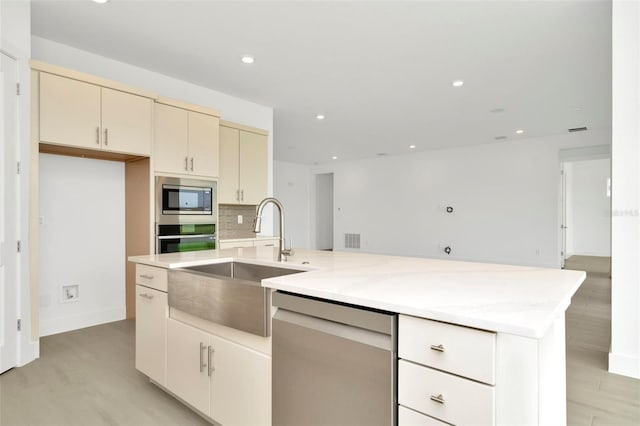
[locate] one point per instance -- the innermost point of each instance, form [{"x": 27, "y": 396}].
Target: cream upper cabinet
[
  {"x": 244, "y": 165},
  {"x": 186, "y": 142},
  {"x": 85, "y": 115}
]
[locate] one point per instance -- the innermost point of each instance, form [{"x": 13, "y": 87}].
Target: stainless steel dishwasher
[{"x": 333, "y": 364}]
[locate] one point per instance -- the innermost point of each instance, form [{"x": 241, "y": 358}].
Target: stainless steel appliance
[
  {"x": 186, "y": 214},
  {"x": 185, "y": 237},
  {"x": 333, "y": 364}
]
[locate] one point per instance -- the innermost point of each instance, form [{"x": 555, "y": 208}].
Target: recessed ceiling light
[
  {"x": 499, "y": 138},
  {"x": 248, "y": 59},
  {"x": 100, "y": 1},
  {"x": 457, "y": 83},
  {"x": 497, "y": 110},
  {"x": 412, "y": 147},
  {"x": 519, "y": 131},
  {"x": 382, "y": 154},
  {"x": 320, "y": 117},
  {"x": 335, "y": 157}
]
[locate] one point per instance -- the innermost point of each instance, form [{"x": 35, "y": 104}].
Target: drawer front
[
  {"x": 408, "y": 417},
  {"x": 444, "y": 396},
  {"x": 151, "y": 276},
  {"x": 234, "y": 244},
  {"x": 460, "y": 350},
  {"x": 265, "y": 243}
]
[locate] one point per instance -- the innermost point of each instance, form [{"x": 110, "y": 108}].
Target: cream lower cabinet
[
  {"x": 461, "y": 375},
  {"x": 151, "y": 333},
  {"x": 223, "y": 380},
  {"x": 84, "y": 115},
  {"x": 243, "y": 165}
]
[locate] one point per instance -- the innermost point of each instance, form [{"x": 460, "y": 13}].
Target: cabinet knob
[
  {"x": 438, "y": 348},
  {"x": 437, "y": 398}
]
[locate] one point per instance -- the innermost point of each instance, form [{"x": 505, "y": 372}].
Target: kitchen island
[{"x": 517, "y": 313}]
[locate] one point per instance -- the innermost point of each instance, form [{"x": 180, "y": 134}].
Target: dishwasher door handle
[{"x": 366, "y": 337}]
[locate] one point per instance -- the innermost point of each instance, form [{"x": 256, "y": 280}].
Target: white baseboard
[
  {"x": 592, "y": 253},
  {"x": 625, "y": 365},
  {"x": 75, "y": 322},
  {"x": 29, "y": 352}
]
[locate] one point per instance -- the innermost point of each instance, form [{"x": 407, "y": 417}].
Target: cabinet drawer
[
  {"x": 408, "y": 417},
  {"x": 265, "y": 243},
  {"x": 151, "y": 276},
  {"x": 234, "y": 244},
  {"x": 462, "y": 401},
  {"x": 460, "y": 350}
]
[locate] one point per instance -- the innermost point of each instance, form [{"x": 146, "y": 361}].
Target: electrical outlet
[
  {"x": 240, "y": 219},
  {"x": 69, "y": 293}
]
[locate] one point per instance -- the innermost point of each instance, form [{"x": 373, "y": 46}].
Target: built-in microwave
[{"x": 180, "y": 200}]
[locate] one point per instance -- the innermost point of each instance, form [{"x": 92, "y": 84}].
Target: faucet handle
[{"x": 288, "y": 251}]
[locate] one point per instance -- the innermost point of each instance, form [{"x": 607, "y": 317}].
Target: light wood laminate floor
[
  {"x": 87, "y": 377},
  {"x": 595, "y": 397}
]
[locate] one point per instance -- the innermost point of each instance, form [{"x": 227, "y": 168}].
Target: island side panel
[{"x": 531, "y": 378}]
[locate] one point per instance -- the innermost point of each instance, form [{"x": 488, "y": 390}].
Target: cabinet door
[
  {"x": 203, "y": 144},
  {"x": 229, "y": 158},
  {"x": 253, "y": 167},
  {"x": 126, "y": 122},
  {"x": 69, "y": 112},
  {"x": 187, "y": 364},
  {"x": 151, "y": 333},
  {"x": 241, "y": 385},
  {"x": 170, "y": 139}
]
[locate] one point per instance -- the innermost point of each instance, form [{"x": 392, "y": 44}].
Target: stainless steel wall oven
[{"x": 186, "y": 214}]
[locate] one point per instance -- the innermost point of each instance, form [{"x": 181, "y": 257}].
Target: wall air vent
[
  {"x": 577, "y": 129},
  {"x": 352, "y": 241}
]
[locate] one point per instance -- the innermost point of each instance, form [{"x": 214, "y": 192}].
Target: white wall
[
  {"x": 81, "y": 242},
  {"x": 590, "y": 224},
  {"x": 231, "y": 108},
  {"x": 292, "y": 187},
  {"x": 505, "y": 198},
  {"x": 624, "y": 357},
  {"x": 15, "y": 36}
]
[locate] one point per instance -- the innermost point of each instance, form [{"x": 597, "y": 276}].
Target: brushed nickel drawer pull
[
  {"x": 146, "y": 296},
  {"x": 186, "y": 163},
  {"x": 438, "y": 348},
  {"x": 98, "y": 135},
  {"x": 191, "y": 163},
  {"x": 146, "y": 277},
  {"x": 106, "y": 136},
  {"x": 439, "y": 399},
  {"x": 210, "y": 359},
  {"x": 202, "y": 364}
]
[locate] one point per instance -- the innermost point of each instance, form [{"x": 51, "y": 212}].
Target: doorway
[
  {"x": 586, "y": 206},
  {"x": 324, "y": 211},
  {"x": 9, "y": 212}
]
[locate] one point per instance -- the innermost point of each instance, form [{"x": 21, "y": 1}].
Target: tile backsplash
[{"x": 228, "y": 226}]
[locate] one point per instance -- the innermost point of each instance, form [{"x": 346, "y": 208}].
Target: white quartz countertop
[{"x": 511, "y": 299}]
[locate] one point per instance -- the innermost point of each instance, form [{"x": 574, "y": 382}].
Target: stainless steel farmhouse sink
[{"x": 226, "y": 293}]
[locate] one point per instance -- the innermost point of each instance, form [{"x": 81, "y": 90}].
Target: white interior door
[{"x": 8, "y": 213}]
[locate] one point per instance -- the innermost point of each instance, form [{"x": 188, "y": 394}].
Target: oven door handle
[{"x": 179, "y": 237}]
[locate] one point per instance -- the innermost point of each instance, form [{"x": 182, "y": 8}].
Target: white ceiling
[{"x": 381, "y": 72}]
